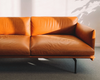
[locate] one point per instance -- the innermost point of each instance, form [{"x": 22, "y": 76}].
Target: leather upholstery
[
  {"x": 14, "y": 45},
  {"x": 59, "y": 45},
  {"x": 86, "y": 34},
  {"x": 64, "y": 38},
  {"x": 44, "y": 25},
  {"x": 15, "y": 25}
]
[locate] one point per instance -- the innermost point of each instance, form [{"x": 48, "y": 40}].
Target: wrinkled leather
[
  {"x": 14, "y": 45},
  {"x": 15, "y": 25},
  {"x": 52, "y": 25},
  {"x": 15, "y": 38},
  {"x": 59, "y": 45},
  {"x": 86, "y": 33}
]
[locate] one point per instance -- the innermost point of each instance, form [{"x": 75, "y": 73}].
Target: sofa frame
[{"x": 82, "y": 32}]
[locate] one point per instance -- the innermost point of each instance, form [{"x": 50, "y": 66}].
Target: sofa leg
[{"x": 75, "y": 65}]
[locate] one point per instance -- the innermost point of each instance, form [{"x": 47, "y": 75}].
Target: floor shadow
[
  {"x": 37, "y": 66},
  {"x": 23, "y": 65}
]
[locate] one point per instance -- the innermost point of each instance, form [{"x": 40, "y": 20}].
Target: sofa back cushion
[
  {"x": 53, "y": 25},
  {"x": 15, "y": 25}
]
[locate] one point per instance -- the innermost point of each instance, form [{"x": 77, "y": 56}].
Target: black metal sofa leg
[{"x": 75, "y": 65}]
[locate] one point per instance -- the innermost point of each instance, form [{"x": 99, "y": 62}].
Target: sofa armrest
[{"x": 86, "y": 34}]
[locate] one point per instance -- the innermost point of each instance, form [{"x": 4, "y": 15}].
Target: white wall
[
  {"x": 88, "y": 11},
  {"x": 49, "y": 8},
  {"x": 9, "y": 8}
]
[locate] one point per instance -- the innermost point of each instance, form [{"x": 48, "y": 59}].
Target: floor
[{"x": 50, "y": 69}]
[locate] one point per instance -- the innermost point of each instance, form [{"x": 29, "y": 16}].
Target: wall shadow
[
  {"x": 89, "y": 14},
  {"x": 89, "y": 18},
  {"x": 26, "y": 8}
]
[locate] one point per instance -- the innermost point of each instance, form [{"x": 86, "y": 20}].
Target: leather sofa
[{"x": 45, "y": 37}]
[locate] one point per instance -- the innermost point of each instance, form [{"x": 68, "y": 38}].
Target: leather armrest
[{"x": 86, "y": 34}]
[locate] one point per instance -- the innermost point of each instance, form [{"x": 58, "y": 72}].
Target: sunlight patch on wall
[{"x": 88, "y": 8}]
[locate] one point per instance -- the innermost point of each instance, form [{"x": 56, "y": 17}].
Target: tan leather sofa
[{"x": 45, "y": 37}]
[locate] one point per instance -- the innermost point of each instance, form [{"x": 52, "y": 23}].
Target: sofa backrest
[
  {"x": 15, "y": 25},
  {"x": 53, "y": 25}
]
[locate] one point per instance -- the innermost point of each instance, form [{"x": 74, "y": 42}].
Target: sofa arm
[{"x": 86, "y": 34}]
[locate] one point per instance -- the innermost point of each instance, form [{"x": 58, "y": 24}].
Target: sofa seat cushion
[
  {"x": 14, "y": 45},
  {"x": 59, "y": 45}
]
